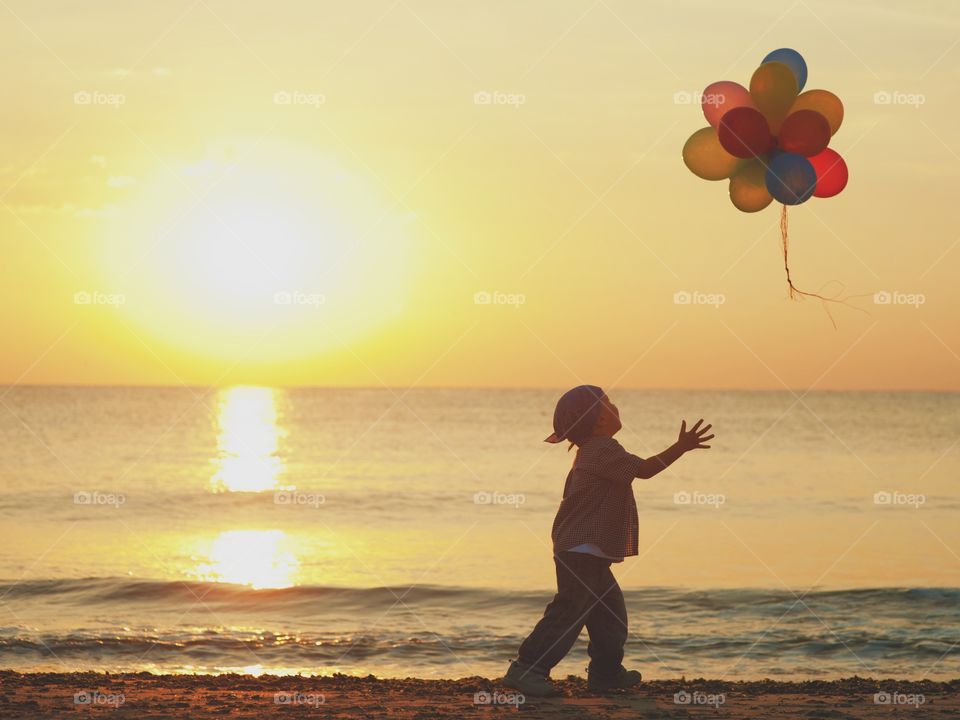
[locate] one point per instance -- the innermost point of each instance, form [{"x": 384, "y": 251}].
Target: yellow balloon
[
  {"x": 706, "y": 158},
  {"x": 773, "y": 88},
  {"x": 825, "y": 103},
  {"x": 748, "y": 187}
]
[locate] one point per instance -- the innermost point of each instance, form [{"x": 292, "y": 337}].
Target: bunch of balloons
[{"x": 771, "y": 140}]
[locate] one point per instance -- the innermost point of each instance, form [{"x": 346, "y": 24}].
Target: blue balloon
[
  {"x": 791, "y": 178},
  {"x": 793, "y": 60}
]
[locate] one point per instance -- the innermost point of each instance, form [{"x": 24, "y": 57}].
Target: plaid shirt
[{"x": 598, "y": 505}]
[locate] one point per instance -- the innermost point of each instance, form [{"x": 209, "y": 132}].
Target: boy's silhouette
[{"x": 596, "y": 525}]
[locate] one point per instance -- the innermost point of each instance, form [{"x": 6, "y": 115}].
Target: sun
[
  {"x": 269, "y": 253},
  {"x": 243, "y": 249}
]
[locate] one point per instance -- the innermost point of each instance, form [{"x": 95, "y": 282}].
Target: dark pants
[{"x": 587, "y": 594}]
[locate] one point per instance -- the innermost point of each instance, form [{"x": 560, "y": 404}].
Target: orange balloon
[
  {"x": 823, "y": 102},
  {"x": 748, "y": 187},
  {"x": 773, "y": 88}
]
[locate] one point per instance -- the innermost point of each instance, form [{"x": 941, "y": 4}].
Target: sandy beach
[{"x": 146, "y": 696}]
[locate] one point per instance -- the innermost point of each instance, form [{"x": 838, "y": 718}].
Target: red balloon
[
  {"x": 831, "y": 172},
  {"x": 744, "y": 132},
  {"x": 805, "y": 132}
]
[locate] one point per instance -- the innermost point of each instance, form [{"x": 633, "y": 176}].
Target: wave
[
  {"x": 230, "y": 649},
  {"x": 127, "y": 590},
  {"x": 130, "y": 591},
  {"x": 123, "y": 624}
]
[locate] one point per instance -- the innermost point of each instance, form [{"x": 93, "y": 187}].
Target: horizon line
[{"x": 559, "y": 388}]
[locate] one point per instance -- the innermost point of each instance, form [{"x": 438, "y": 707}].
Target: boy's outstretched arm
[{"x": 688, "y": 440}]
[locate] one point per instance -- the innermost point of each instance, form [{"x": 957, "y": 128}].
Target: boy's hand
[
  {"x": 688, "y": 440},
  {"x": 694, "y": 437}
]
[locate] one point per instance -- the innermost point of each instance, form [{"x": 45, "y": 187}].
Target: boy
[{"x": 595, "y": 526}]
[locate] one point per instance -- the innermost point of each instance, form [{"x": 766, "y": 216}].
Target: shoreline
[{"x": 145, "y": 696}]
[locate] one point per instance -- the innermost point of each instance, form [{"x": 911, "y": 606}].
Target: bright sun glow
[
  {"x": 258, "y": 558},
  {"x": 242, "y": 250},
  {"x": 247, "y": 445},
  {"x": 258, "y": 253}
]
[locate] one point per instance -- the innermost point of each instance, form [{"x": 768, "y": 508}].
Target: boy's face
[{"x": 608, "y": 423}]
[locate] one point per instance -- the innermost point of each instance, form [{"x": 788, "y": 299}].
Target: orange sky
[{"x": 216, "y": 193}]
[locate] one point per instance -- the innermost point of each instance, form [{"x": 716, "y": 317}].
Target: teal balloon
[
  {"x": 791, "y": 178},
  {"x": 793, "y": 60}
]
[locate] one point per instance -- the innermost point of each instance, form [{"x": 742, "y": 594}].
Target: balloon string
[
  {"x": 794, "y": 290},
  {"x": 784, "y": 241}
]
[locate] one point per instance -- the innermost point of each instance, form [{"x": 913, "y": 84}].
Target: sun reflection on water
[
  {"x": 258, "y": 558},
  {"x": 247, "y": 459}
]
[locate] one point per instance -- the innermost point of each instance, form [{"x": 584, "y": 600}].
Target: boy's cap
[{"x": 576, "y": 414}]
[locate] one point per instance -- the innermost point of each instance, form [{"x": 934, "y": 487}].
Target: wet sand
[{"x": 197, "y": 697}]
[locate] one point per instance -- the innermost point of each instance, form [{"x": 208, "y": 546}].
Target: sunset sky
[{"x": 303, "y": 193}]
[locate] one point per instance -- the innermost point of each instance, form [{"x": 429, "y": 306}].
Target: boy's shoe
[
  {"x": 529, "y": 682},
  {"x": 621, "y": 680}
]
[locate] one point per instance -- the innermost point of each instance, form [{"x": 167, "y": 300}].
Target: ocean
[{"x": 407, "y": 532}]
